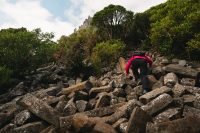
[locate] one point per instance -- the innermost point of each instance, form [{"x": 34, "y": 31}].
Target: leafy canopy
[{"x": 113, "y": 22}]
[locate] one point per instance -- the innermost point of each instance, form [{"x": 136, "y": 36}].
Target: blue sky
[
  {"x": 59, "y": 16},
  {"x": 57, "y": 7}
]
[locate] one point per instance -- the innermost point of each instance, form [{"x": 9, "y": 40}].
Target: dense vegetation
[
  {"x": 172, "y": 28},
  {"x": 175, "y": 27},
  {"x": 23, "y": 51}
]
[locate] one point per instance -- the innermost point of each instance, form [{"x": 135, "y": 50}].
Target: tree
[
  {"x": 75, "y": 49},
  {"x": 173, "y": 26},
  {"x": 113, "y": 22},
  {"x": 22, "y": 50},
  {"x": 140, "y": 29}
]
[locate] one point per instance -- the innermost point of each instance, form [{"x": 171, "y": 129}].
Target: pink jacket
[{"x": 146, "y": 58}]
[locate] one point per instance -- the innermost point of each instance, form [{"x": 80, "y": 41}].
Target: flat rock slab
[
  {"x": 188, "y": 98},
  {"x": 182, "y": 71},
  {"x": 96, "y": 90},
  {"x": 154, "y": 93},
  {"x": 40, "y": 109},
  {"x": 169, "y": 114},
  {"x": 77, "y": 87},
  {"x": 157, "y": 104}
]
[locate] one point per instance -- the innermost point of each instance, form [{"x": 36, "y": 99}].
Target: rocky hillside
[{"x": 107, "y": 104}]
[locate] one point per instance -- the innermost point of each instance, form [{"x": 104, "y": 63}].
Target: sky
[{"x": 59, "y": 16}]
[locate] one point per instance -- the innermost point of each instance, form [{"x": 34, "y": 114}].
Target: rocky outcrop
[{"x": 48, "y": 101}]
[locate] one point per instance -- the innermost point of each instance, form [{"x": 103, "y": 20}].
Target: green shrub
[
  {"x": 75, "y": 49},
  {"x": 106, "y": 54},
  {"x": 194, "y": 47},
  {"x": 5, "y": 75}
]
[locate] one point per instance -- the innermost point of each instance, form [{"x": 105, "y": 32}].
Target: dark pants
[{"x": 142, "y": 65}]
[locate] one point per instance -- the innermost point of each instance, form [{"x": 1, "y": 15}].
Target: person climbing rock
[{"x": 139, "y": 65}]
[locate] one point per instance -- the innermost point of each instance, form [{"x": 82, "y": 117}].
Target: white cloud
[{"x": 30, "y": 14}]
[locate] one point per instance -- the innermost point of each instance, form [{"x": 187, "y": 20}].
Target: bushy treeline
[{"x": 22, "y": 51}]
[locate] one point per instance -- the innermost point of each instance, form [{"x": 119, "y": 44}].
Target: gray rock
[
  {"x": 131, "y": 96},
  {"x": 123, "y": 127},
  {"x": 128, "y": 89},
  {"x": 117, "y": 123},
  {"x": 40, "y": 109},
  {"x": 187, "y": 82},
  {"x": 82, "y": 105},
  {"x": 158, "y": 71},
  {"x": 60, "y": 105},
  {"x": 168, "y": 115},
  {"x": 164, "y": 61},
  {"x": 101, "y": 127},
  {"x": 188, "y": 111},
  {"x": 170, "y": 79},
  {"x": 82, "y": 123},
  {"x": 158, "y": 84},
  {"x": 9, "y": 128},
  {"x": 22, "y": 117},
  {"x": 178, "y": 90},
  {"x": 104, "y": 100},
  {"x": 119, "y": 92},
  {"x": 182, "y": 71},
  {"x": 70, "y": 108},
  {"x": 152, "y": 80},
  {"x": 175, "y": 61},
  {"x": 188, "y": 98},
  {"x": 182, "y": 62},
  {"x": 96, "y": 90},
  {"x": 30, "y": 128},
  {"x": 137, "y": 122},
  {"x": 188, "y": 124},
  {"x": 157, "y": 104},
  {"x": 138, "y": 90},
  {"x": 154, "y": 93},
  {"x": 81, "y": 95}
]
